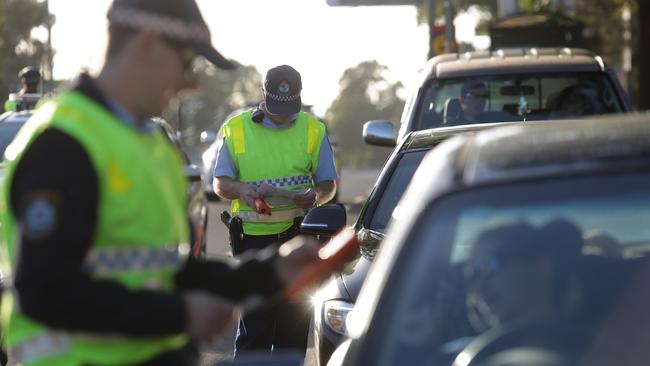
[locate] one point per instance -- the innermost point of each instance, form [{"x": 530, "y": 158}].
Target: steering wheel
[{"x": 541, "y": 344}]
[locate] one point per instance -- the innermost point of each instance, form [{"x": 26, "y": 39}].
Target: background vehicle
[
  {"x": 522, "y": 85},
  {"x": 197, "y": 207},
  {"x": 415, "y": 308},
  {"x": 334, "y": 302},
  {"x": 10, "y": 123}
]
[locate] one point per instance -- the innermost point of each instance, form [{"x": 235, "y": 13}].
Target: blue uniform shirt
[{"x": 225, "y": 167}]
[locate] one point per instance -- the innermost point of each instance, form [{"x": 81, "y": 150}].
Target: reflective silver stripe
[
  {"x": 299, "y": 180},
  {"x": 276, "y": 216},
  {"x": 104, "y": 261},
  {"x": 42, "y": 345}
]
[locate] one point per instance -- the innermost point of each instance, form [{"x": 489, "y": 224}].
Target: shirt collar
[{"x": 268, "y": 122}]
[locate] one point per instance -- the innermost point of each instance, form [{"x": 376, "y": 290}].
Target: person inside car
[
  {"x": 519, "y": 274},
  {"x": 469, "y": 106},
  {"x": 574, "y": 101}
]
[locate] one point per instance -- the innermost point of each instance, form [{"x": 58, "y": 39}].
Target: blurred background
[{"x": 356, "y": 57}]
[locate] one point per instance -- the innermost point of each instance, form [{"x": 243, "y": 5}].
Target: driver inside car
[{"x": 519, "y": 274}]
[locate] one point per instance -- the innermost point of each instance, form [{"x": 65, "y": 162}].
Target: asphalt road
[{"x": 355, "y": 184}]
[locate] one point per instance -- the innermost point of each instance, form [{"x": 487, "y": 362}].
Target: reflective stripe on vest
[
  {"x": 275, "y": 216},
  {"x": 46, "y": 344},
  {"x": 104, "y": 261},
  {"x": 301, "y": 180}
]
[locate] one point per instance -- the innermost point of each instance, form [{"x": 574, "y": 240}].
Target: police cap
[{"x": 178, "y": 20}]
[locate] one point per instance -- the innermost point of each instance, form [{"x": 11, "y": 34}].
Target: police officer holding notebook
[{"x": 265, "y": 152}]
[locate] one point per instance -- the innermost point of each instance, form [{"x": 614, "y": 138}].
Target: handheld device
[
  {"x": 334, "y": 254},
  {"x": 262, "y": 207}
]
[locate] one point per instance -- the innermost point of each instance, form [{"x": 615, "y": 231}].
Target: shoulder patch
[{"x": 40, "y": 218}]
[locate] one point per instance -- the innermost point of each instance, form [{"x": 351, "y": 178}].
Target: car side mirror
[
  {"x": 192, "y": 172},
  {"x": 208, "y": 137},
  {"x": 379, "y": 133},
  {"x": 324, "y": 220}
]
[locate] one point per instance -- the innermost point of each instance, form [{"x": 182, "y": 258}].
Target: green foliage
[
  {"x": 365, "y": 95},
  {"x": 17, "y": 49}
]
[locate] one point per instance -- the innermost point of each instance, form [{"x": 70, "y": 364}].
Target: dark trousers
[{"x": 278, "y": 328}]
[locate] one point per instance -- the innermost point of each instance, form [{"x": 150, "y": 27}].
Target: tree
[
  {"x": 365, "y": 94},
  {"x": 17, "y": 48}
]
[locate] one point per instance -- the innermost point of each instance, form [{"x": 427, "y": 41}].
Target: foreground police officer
[
  {"x": 280, "y": 154},
  {"x": 94, "y": 212},
  {"x": 28, "y": 95}
]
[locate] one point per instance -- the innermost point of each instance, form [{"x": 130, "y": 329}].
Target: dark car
[
  {"x": 334, "y": 302},
  {"x": 197, "y": 207},
  {"x": 521, "y": 245},
  {"x": 524, "y": 84},
  {"x": 10, "y": 123}
]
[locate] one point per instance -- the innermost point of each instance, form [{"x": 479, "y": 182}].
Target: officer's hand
[
  {"x": 295, "y": 257},
  {"x": 305, "y": 199},
  {"x": 249, "y": 193},
  {"x": 207, "y": 316}
]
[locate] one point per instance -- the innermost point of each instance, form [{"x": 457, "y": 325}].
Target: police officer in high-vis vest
[
  {"x": 281, "y": 155},
  {"x": 28, "y": 96},
  {"x": 94, "y": 213}
]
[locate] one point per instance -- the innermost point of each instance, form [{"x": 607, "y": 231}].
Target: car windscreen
[
  {"x": 516, "y": 97},
  {"x": 8, "y": 130},
  {"x": 394, "y": 188},
  {"x": 552, "y": 255}
]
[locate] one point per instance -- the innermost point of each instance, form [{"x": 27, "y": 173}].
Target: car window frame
[{"x": 377, "y": 335}]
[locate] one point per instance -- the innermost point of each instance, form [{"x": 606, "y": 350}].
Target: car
[
  {"x": 334, "y": 302},
  {"x": 518, "y": 84},
  {"x": 197, "y": 207},
  {"x": 10, "y": 123},
  {"x": 516, "y": 245}
]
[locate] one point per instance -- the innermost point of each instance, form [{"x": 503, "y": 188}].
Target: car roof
[
  {"x": 512, "y": 61},
  {"x": 15, "y": 117},
  {"x": 425, "y": 138},
  {"x": 549, "y": 148},
  {"x": 532, "y": 151}
]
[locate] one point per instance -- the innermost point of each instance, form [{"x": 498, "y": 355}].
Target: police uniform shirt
[{"x": 225, "y": 166}]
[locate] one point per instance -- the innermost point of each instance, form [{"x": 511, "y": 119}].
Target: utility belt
[{"x": 235, "y": 227}]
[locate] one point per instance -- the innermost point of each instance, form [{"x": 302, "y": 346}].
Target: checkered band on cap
[
  {"x": 300, "y": 180},
  {"x": 282, "y": 98},
  {"x": 171, "y": 27}
]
